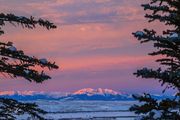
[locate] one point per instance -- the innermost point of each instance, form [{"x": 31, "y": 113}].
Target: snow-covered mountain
[
  {"x": 99, "y": 91},
  {"x": 31, "y": 95},
  {"x": 83, "y": 94},
  {"x": 97, "y": 94}
]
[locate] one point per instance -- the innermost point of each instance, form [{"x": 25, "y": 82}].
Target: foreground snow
[
  {"x": 90, "y": 115},
  {"x": 85, "y": 110}
]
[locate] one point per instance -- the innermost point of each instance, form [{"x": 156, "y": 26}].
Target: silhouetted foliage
[
  {"x": 168, "y": 48},
  {"x": 17, "y": 64}
]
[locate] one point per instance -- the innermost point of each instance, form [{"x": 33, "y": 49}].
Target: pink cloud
[
  {"x": 93, "y": 44},
  {"x": 103, "y": 62}
]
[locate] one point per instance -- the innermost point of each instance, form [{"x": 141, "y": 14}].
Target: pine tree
[
  {"x": 167, "y": 47},
  {"x": 15, "y": 63}
]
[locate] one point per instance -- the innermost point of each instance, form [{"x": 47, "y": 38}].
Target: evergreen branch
[
  {"x": 171, "y": 19},
  {"x": 155, "y": 8},
  {"x": 16, "y": 64},
  {"x": 10, "y": 108},
  {"x": 25, "y": 22},
  {"x": 152, "y": 109},
  {"x": 168, "y": 47},
  {"x": 23, "y": 70},
  {"x": 8, "y": 50},
  {"x": 170, "y": 3},
  {"x": 172, "y": 78}
]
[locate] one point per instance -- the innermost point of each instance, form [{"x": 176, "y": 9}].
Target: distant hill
[{"x": 83, "y": 94}]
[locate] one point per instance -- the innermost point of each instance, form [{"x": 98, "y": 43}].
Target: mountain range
[{"x": 83, "y": 94}]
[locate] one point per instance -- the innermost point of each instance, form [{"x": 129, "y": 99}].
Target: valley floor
[{"x": 87, "y": 110}]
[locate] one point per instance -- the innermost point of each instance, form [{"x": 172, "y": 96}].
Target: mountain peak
[{"x": 99, "y": 91}]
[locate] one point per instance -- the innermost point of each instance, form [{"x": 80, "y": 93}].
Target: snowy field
[{"x": 87, "y": 110}]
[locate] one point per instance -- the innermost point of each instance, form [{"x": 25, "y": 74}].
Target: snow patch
[
  {"x": 12, "y": 48},
  {"x": 27, "y": 71},
  {"x": 157, "y": 114},
  {"x": 139, "y": 33},
  {"x": 43, "y": 61},
  {"x": 173, "y": 35}
]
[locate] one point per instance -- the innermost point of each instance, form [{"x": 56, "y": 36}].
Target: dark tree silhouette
[
  {"x": 167, "y": 47},
  {"x": 17, "y": 64}
]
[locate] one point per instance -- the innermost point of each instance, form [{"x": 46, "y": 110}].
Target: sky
[{"x": 93, "y": 44}]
